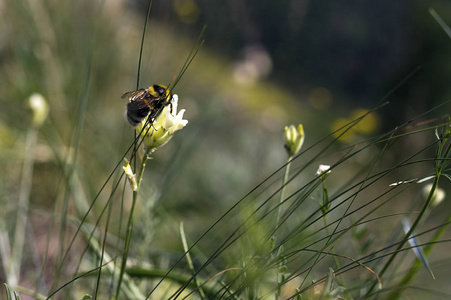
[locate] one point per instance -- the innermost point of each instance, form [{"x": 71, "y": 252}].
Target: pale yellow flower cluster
[{"x": 159, "y": 132}]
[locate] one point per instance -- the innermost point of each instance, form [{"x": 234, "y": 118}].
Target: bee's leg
[
  {"x": 150, "y": 120},
  {"x": 169, "y": 102}
]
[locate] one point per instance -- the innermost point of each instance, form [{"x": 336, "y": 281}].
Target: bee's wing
[
  {"x": 142, "y": 98},
  {"x": 134, "y": 95},
  {"x": 128, "y": 94},
  {"x": 149, "y": 100}
]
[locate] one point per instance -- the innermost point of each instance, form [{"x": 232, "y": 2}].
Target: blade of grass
[
  {"x": 440, "y": 21},
  {"x": 102, "y": 255},
  {"x": 192, "y": 54},
  {"x": 189, "y": 260},
  {"x": 13, "y": 274}
]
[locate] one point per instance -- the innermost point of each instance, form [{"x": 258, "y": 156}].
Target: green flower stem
[
  {"x": 130, "y": 227},
  {"x": 282, "y": 191},
  {"x": 325, "y": 209},
  {"x": 141, "y": 172}
]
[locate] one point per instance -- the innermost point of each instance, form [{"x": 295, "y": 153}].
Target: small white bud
[
  {"x": 322, "y": 169},
  {"x": 39, "y": 107}
]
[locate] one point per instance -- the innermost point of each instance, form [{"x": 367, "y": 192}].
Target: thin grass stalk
[
  {"x": 127, "y": 244},
  {"x": 118, "y": 240},
  {"x": 190, "y": 261},
  {"x": 326, "y": 206},
  {"x": 110, "y": 209},
  {"x": 13, "y": 275}
]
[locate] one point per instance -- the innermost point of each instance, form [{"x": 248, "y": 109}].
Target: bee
[{"x": 148, "y": 102}]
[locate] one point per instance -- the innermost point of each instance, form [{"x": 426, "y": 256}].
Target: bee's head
[{"x": 158, "y": 90}]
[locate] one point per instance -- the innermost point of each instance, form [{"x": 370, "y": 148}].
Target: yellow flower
[{"x": 159, "y": 132}]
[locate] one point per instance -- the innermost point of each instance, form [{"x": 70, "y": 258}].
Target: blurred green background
[{"x": 264, "y": 65}]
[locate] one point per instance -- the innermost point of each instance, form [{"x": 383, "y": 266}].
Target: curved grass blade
[{"x": 414, "y": 244}]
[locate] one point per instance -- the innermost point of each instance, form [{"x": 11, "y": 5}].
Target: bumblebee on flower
[
  {"x": 159, "y": 132},
  {"x": 154, "y": 113}
]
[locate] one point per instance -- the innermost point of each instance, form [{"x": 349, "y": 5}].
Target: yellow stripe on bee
[{"x": 153, "y": 92}]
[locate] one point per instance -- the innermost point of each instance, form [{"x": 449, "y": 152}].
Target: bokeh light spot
[
  {"x": 320, "y": 98},
  {"x": 187, "y": 11}
]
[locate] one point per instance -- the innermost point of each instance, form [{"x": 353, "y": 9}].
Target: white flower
[
  {"x": 323, "y": 169},
  {"x": 159, "y": 132}
]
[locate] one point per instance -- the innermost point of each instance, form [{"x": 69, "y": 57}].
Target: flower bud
[
  {"x": 40, "y": 109},
  {"x": 131, "y": 177},
  {"x": 294, "y": 138},
  {"x": 323, "y": 169}
]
